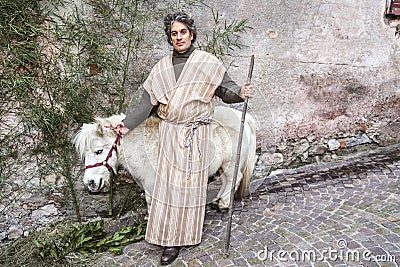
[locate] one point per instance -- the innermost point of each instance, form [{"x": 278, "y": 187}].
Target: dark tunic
[{"x": 228, "y": 91}]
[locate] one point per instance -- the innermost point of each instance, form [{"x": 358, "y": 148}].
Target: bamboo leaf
[
  {"x": 38, "y": 244},
  {"x": 54, "y": 254}
]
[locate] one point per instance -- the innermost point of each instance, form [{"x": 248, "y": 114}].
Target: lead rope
[{"x": 188, "y": 141}]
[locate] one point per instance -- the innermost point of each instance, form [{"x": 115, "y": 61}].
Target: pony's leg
[
  {"x": 226, "y": 195},
  {"x": 224, "y": 179},
  {"x": 148, "y": 190},
  {"x": 223, "y": 197},
  {"x": 148, "y": 201}
]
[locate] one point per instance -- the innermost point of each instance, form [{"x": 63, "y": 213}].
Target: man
[{"x": 182, "y": 86}]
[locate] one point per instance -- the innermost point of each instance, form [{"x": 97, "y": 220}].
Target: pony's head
[{"x": 93, "y": 143}]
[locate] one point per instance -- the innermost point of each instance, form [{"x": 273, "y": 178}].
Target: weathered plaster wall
[{"x": 327, "y": 74}]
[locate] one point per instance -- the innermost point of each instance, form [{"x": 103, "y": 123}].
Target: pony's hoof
[
  {"x": 214, "y": 206},
  {"x": 223, "y": 205}
]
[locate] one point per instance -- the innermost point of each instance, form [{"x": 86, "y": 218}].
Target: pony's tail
[{"x": 250, "y": 161}]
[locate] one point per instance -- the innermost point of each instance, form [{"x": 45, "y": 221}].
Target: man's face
[{"x": 181, "y": 37}]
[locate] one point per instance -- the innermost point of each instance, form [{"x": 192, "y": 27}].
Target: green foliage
[
  {"x": 19, "y": 30},
  {"x": 225, "y": 36},
  {"x": 89, "y": 238}
]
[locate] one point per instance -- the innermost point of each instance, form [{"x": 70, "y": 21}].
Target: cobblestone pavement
[{"x": 338, "y": 214}]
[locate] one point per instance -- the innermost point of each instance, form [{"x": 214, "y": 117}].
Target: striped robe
[{"x": 179, "y": 197}]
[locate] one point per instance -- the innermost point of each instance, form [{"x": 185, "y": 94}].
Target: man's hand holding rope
[{"x": 121, "y": 129}]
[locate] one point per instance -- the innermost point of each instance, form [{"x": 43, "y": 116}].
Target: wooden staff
[{"x": 239, "y": 148}]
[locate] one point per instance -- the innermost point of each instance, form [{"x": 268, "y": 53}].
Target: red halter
[{"x": 105, "y": 162}]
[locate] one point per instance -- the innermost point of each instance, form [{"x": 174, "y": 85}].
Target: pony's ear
[{"x": 100, "y": 130}]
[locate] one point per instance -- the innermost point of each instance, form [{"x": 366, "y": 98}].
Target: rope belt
[
  {"x": 190, "y": 135},
  {"x": 188, "y": 142}
]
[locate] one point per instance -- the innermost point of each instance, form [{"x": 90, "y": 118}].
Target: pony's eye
[{"x": 98, "y": 152}]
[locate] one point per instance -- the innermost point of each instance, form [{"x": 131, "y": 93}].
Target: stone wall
[{"x": 327, "y": 75}]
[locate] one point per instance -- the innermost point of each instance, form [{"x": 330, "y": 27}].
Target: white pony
[{"x": 137, "y": 151}]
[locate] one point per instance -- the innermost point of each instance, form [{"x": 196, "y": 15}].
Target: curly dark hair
[{"x": 181, "y": 17}]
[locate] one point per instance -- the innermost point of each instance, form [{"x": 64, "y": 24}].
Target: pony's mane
[{"x": 83, "y": 139}]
